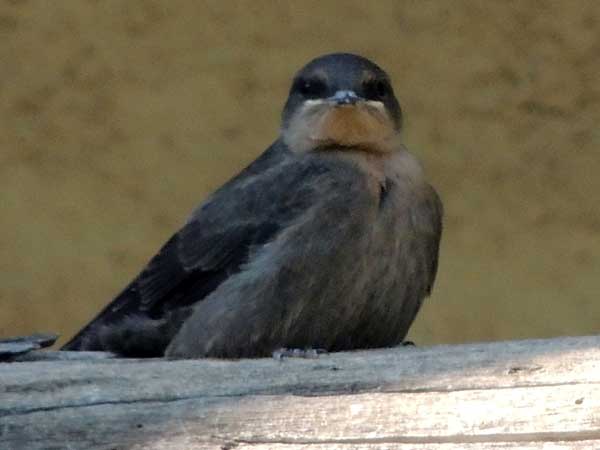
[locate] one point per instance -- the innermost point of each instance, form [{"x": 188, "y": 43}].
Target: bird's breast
[{"x": 399, "y": 171}]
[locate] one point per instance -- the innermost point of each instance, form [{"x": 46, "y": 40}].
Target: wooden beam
[{"x": 520, "y": 394}]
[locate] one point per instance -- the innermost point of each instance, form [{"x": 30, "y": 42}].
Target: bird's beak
[{"x": 344, "y": 98}]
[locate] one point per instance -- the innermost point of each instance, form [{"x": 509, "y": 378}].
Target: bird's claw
[{"x": 309, "y": 353}]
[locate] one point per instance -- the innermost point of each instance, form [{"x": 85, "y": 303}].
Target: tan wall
[{"x": 117, "y": 117}]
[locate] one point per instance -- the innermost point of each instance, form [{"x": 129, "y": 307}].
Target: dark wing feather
[
  {"x": 193, "y": 263},
  {"x": 215, "y": 243},
  {"x": 431, "y": 246}
]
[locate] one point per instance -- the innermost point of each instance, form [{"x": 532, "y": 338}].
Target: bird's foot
[
  {"x": 408, "y": 344},
  {"x": 308, "y": 353}
]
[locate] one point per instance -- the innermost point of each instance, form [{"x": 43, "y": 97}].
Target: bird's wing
[
  {"x": 433, "y": 229},
  {"x": 215, "y": 243}
]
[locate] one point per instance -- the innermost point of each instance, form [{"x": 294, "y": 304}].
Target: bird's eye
[
  {"x": 376, "y": 89},
  {"x": 312, "y": 88}
]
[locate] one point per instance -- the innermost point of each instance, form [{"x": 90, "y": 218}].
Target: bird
[{"x": 328, "y": 240}]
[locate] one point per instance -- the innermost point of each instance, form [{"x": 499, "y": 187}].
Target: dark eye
[
  {"x": 376, "y": 89},
  {"x": 311, "y": 88}
]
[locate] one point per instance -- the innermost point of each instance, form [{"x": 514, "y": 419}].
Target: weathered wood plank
[
  {"x": 580, "y": 445},
  {"x": 498, "y": 395},
  {"x": 531, "y": 445},
  {"x": 11, "y": 347}
]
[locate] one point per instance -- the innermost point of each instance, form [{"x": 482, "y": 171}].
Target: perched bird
[{"x": 328, "y": 240}]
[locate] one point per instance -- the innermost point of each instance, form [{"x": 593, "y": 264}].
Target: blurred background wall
[{"x": 117, "y": 117}]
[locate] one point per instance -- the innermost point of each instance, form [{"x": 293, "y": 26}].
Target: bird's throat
[{"x": 356, "y": 127}]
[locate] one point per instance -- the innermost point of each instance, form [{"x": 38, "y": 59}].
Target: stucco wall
[{"x": 117, "y": 117}]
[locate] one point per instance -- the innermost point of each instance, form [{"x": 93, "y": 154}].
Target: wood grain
[{"x": 519, "y": 394}]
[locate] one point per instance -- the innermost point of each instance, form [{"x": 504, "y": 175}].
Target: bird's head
[{"x": 341, "y": 101}]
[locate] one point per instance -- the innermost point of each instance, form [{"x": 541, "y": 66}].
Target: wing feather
[{"x": 215, "y": 243}]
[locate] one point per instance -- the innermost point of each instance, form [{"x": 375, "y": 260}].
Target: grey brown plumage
[{"x": 318, "y": 243}]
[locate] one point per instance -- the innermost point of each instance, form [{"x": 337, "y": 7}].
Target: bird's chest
[
  {"x": 401, "y": 222},
  {"x": 396, "y": 193},
  {"x": 396, "y": 224}
]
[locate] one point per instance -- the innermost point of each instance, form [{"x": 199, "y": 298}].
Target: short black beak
[{"x": 345, "y": 98}]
